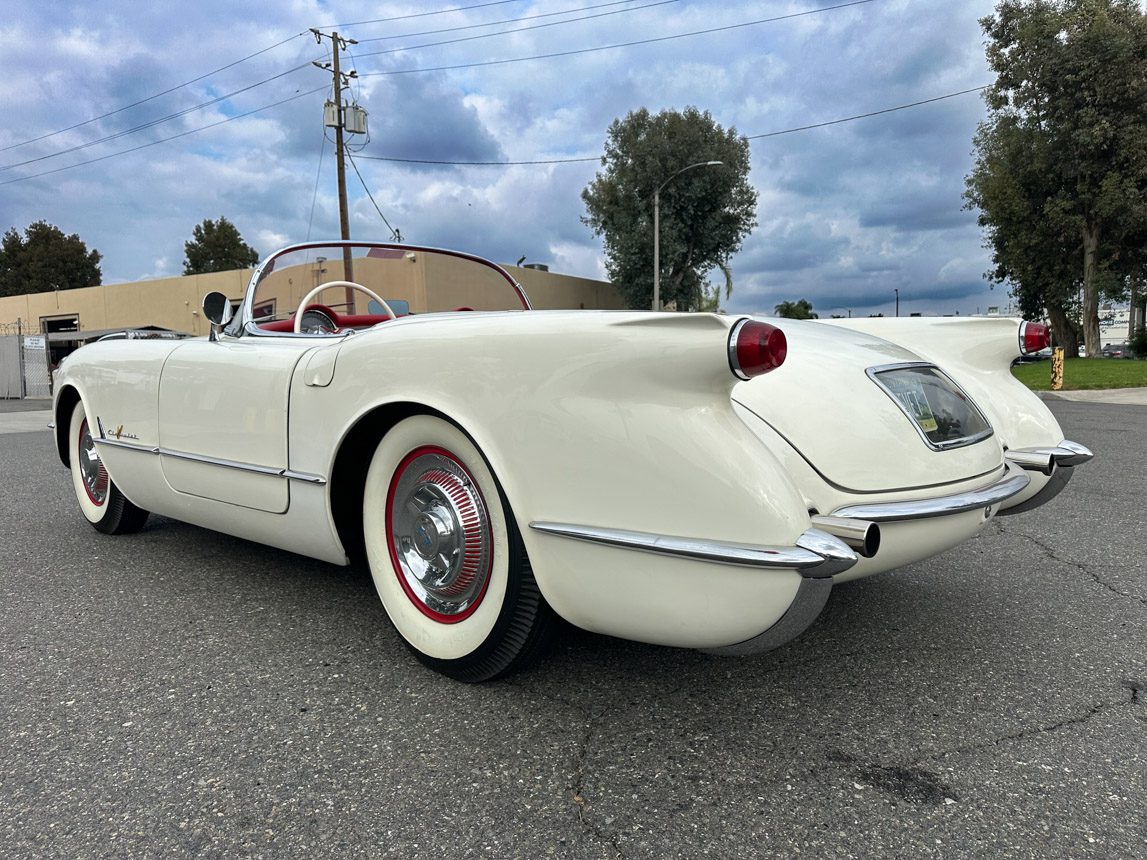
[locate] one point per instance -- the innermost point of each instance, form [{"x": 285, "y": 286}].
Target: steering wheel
[{"x": 350, "y": 285}]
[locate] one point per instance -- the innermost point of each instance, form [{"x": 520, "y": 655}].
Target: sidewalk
[
  {"x": 7, "y": 405},
  {"x": 1131, "y": 396}
]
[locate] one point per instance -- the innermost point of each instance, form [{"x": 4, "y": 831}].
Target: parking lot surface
[{"x": 181, "y": 693}]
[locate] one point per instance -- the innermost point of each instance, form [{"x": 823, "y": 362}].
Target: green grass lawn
[{"x": 1080, "y": 373}]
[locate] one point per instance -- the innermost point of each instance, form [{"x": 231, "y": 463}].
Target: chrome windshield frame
[{"x": 243, "y": 323}]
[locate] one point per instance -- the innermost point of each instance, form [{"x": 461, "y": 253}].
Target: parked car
[
  {"x": 1116, "y": 350},
  {"x": 693, "y": 480}
]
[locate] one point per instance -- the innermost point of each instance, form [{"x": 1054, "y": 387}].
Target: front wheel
[
  {"x": 101, "y": 502},
  {"x": 447, "y": 557}
]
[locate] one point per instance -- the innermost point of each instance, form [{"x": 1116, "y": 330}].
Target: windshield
[{"x": 361, "y": 284}]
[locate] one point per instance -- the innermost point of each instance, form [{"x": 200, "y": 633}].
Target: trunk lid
[{"x": 849, "y": 426}]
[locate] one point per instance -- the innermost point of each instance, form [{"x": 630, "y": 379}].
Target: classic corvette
[{"x": 695, "y": 480}]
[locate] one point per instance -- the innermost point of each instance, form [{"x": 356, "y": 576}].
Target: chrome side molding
[
  {"x": 816, "y": 554},
  {"x": 1013, "y": 482},
  {"x": 289, "y": 474}
]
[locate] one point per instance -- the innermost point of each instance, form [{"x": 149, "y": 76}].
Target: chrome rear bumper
[{"x": 1013, "y": 482}]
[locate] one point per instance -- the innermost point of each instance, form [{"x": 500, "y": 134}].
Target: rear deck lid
[{"x": 869, "y": 415}]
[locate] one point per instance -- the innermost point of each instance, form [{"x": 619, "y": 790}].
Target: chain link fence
[{"x": 25, "y": 369}]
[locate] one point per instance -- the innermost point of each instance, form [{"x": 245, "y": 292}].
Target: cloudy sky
[{"x": 129, "y": 123}]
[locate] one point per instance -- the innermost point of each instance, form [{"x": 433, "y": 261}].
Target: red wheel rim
[
  {"x": 438, "y": 534},
  {"x": 93, "y": 475}
]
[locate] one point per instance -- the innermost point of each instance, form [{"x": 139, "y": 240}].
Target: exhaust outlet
[
  {"x": 860, "y": 535},
  {"x": 1033, "y": 460}
]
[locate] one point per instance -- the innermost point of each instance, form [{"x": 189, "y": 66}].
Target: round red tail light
[
  {"x": 1034, "y": 337},
  {"x": 756, "y": 348}
]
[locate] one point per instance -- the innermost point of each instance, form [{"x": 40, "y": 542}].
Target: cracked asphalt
[{"x": 181, "y": 693}]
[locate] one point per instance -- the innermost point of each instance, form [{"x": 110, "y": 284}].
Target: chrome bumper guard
[
  {"x": 816, "y": 554},
  {"x": 1056, "y": 461},
  {"x": 1013, "y": 482},
  {"x": 1046, "y": 459}
]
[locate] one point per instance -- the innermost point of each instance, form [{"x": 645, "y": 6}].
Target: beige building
[{"x": 71, "y": 317}]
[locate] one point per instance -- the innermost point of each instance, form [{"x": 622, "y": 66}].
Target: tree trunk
[
  {"x": 1063, "y": 329},
  {"x": 1091, "y": 290}
]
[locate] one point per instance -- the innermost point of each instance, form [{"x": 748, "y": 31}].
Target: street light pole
[
  {"x": 897, "y": 291},
  {"x": 657, "y": 228}
]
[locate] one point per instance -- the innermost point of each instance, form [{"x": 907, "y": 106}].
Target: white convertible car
[{"x": 693, "y": 480}]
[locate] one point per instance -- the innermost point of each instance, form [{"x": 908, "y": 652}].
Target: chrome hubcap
[
  {"x": 439, "y": 534},
  {"x": 92, "y": 470}
]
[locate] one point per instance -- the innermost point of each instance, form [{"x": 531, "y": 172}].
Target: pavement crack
[
  {"x": 576, "y": 788},
  {"x": 1135, "y": 688},
  {"x": 1054, "y": 556}
]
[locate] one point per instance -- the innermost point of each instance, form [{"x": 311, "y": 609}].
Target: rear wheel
[
  {"x": 447, "y": 557},
  {"x": 100, "y": 500}
]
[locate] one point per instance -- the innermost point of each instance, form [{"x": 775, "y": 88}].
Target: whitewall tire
[
  {"x": 447, "y": 557},
  {"x": 101, "y": 502}
]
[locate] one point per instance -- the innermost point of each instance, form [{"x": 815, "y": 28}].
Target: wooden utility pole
[{"x": 339, "y": 80}]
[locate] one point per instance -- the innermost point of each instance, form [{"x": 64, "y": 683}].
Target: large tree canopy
[
  {"x": 1061, "y": 169},
  {"x": 45, "y": 259},
  {"x": 216, "y": 246},
  {"x": 705, "y": 212}
]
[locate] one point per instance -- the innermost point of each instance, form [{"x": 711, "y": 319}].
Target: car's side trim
[
  {"x": 1013, "y": 482},
  {"x": 815, "y": 554},
  {"x": 289, "y": 474}
]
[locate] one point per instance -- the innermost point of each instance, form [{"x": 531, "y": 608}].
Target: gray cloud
[{"x": 848, "y": 212}]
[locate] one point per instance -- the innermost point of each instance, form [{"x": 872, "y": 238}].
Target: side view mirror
[{"x": 217, "y": 311}]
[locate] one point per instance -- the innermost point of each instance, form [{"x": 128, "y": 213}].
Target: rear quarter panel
[{"x": 602, "y": 419}]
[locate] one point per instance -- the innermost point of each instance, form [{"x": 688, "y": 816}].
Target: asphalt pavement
[{"x": 181, "y": 693}]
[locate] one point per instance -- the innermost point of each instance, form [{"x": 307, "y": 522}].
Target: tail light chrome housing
[{"x": 756, "y": 348}]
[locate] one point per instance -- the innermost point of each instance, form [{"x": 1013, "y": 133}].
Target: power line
[
  {"x": 866, "y": 115},
  {"x": 166, "y": 139},
  {"x": 315, "y": 195},
  {"x": 151, "y": 97},
  {"x": 154, "y": 122},
  {"x": 186, "y": 111},
  {"x": 503, "y": 163},
  {"x": 493, "y": 24},
  {"x": 484, "y": 164},
  {"x": 518, "y": 29},
  {"x": 417, "y": 15},
  {"x": 395, "y": 236},
  {"x": 479, "y": 163},
  {"x": 224, "y": 97},
  {"x": 748, "y": 137},
  {"x": 618, "y": 45}
]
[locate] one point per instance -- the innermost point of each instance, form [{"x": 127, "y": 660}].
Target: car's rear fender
[{"x": 621, "y": 421}]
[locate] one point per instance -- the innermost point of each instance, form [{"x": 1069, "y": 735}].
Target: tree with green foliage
[
  {"x": 705, "y": 212},
  {"x": 216, "y": 246},
  {"x": 801, "y": 309},
  {"x": 45, "y": 259},
  {"x": 1061, "y": 162}
]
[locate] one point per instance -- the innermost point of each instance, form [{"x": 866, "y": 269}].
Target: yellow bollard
[{"x": 1057, "y": 368}]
